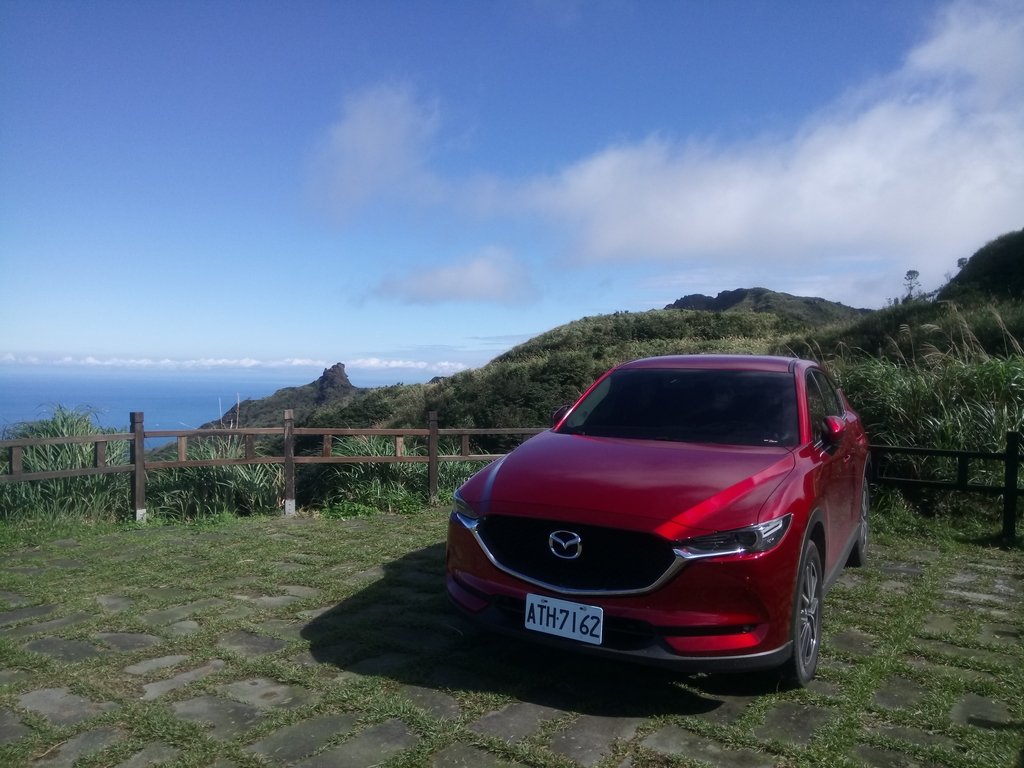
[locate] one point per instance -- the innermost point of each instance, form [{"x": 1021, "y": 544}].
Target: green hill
[
  {"x": 981, "y": 310},
  {"x": 810, "y": 311}
]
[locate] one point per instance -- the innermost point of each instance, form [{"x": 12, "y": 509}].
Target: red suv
[{"x": 688, "y": 510}]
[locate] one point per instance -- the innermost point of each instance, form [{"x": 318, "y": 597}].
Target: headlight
[
  {"x": 463, "y": 511},
  {"x": 755, "y": 538}
]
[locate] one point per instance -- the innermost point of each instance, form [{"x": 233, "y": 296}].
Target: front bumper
[{"x": 719, "y": 614}]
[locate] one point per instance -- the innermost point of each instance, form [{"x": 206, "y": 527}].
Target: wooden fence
[
  {"x": 139, "y": 465},
  {"x": 289, "y": 435}
]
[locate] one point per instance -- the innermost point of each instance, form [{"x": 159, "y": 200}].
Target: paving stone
[
  {"x": 152, "y": 665},
  {"x": 269, "y": 602},
  {"x": 939, "y": 624},
  {"x": 114, "y": 603},
  {"x": 13, "y": 676},
  {"x": 914, "y": 736},
  {"x": 465, "y": 756},
  {"x": 183, "y": 628},
  {"x": 64, "y": 563},
  {"x": 380, "y": 665},
  {"x": 283, "y": 628},
  {"x": 977, "y": 598},
  {"x": 990, "y": 658},
  {"x": 724, "y": 709},
  {"x": 877, "y": 757},
  {"x": 370, "y": 747},
  {"x": 11, "y": 727},
  {"x": 224, "y": 719},
  {"x": 250, "y": 645},
  {"x": 157, "y": 753},
  {"x": 27, "y": 570},
  {"x": 65, "y": 755},
  {"x": 793, "y": 723},
  {"x": 60, "y": 649},
  {"x": 299, "y": 590},
  {"x": 515, "y": 722},
  {"x": 981, "y": 712},
  {"x": 48, "y": 626},
  {"x": 128, "y": 641},
  {"x": 673, "y": 740},
  {"x": 179, "y": 612},
  {"x": 437, "y": 703},
  {"x": 853, "y": 641},
  {"x": 590, "y": 738},
  {"x": 159, "y": 688},
  {"x": 12, "y": 599},
  {"x": 901, "y": 569},
  {"x": 969, "y": 675},
  {"x": 295, "y": 742},
  {"x": 61, "y": 707},
  {"x": 267, "y": 694},
  {"x": 1001, "y": 634},
  {"x": 898, "y": 693}
]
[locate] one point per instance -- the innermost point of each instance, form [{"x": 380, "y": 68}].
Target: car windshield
[{"x": 730, "y": 407}]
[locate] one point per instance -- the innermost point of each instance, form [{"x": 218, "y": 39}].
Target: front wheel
[{"x": 806, "y": 622}]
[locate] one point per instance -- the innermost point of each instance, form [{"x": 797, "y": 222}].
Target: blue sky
[{"x": 412, "y": 188}]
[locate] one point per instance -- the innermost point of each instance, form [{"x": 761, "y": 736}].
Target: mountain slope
[{"x": 803, "y": 309}]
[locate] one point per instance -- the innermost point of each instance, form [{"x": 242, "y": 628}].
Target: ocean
[{"x": 168, "y": 399}]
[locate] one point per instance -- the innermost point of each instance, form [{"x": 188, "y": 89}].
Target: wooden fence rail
[{"x": 139, "y": 465}]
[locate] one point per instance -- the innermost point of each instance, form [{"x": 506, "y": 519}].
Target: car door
[{"x": 834, "y": 486}]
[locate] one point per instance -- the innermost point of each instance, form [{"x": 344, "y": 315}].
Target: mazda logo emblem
[{"x": 565, "y": 544}]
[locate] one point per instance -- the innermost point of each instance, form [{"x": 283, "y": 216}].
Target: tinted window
[
  {"x": 727, "y": 407},
  {"x": 822, "y": 401}
]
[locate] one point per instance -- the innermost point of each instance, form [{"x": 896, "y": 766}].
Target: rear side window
[{"x": 701, "y": 406}]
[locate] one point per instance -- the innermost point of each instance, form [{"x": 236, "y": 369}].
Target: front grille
[{"x": 612, "y": 560}]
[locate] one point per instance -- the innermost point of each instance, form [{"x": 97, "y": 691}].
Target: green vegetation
[
  {"x": 945, "y": 372},
  {"x": 338, "y": 598}
]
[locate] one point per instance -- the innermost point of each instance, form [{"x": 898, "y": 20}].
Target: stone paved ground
[{"x": 172, "y": 647}]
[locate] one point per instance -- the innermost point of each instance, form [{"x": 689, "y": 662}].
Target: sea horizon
[{"x": 169, "y": 399}]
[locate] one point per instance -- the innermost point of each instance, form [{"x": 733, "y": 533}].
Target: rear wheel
[{"x": 806, "y": 623}]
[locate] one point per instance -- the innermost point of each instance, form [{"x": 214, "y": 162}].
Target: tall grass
[
  {"x": 90, "y": 498},
  {"x": 939, "y": 389},
  {"x": 197, "y": 493},
  {"x": 347, "y": 490}
]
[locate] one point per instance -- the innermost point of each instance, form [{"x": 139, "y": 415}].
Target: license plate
[{"x": 565, "y": 619}]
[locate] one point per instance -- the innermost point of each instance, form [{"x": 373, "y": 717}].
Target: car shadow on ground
[{"x": 401, "y": 626}]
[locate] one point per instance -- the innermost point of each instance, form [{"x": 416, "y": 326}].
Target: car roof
[{"x": 721, "y": 362}]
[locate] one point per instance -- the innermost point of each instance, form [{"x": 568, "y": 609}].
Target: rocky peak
[{"x": 332, "y": 382}]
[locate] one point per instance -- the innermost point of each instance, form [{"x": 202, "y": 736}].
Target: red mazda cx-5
[{"x": 688, "y": 510}]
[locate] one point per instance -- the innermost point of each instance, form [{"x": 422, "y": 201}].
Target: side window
[
  {"x": 828, "y": 394},
  {"x": 822, "y": 401}
]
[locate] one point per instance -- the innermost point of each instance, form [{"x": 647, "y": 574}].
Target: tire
[
  {"x": 859, "y": 554},
  {"x": 806, "y": 622}
]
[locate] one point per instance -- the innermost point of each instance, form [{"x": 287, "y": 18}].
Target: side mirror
[
  {"x": 558, "y": 414},
  {"x": 832, "y": 430}
]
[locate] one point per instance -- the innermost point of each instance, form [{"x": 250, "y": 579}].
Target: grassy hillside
[{"x": 981, "y": 314}]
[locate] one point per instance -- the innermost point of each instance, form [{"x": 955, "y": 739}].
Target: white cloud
[
  {"x": 491, "y": 275},
  {"x": 911, "y": 171},
  {"x": 144, "y": 363},
  {"x": 921, "y": 168},
  {"x": 443, "y": 367},
  {"x": 378, "y": 149}
]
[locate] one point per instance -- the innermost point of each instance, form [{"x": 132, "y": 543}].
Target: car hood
[{"x": 673, "y": 489}]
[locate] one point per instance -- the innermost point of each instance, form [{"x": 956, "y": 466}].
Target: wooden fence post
[
  {"x": 137, "y": 453},
  {"x": 432, "y": 448},
  {"x": 289, "y": 463},
  {"x": 1010, "y": 491}
]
